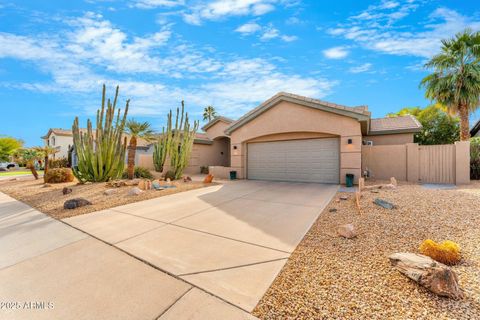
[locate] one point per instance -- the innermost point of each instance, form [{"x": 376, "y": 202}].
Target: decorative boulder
[
  {"x": 66, "y": 190},
  {"x": 76, "y": 203},
  {"x": 109, "y": 192},
  {"x": 433, "y": 275},
  {"x": 347, "y": 231},
  {"x": 156, "y": 185},
  {"x": 135, "y": 191},
  {"x": 187, "y": 179},
  {"x": 384, "y": 204}
]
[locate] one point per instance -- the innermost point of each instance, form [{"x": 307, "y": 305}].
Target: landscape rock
[
  {"x": 145, "y": 185},
  {"x": 116, "y": 184},
  {"x": 109, "y": 192},
  {"x": 433, "y": 275},
  {"x": 332, "y": 210},
  {"x": 66, "y": 190},
  {"x": 347, "y": 231},
  {"x": 156, "y": 185},
  {"x": 187, "y": 179},
  {"x": 46, "y": 185},
  {"x": 384, "y": 204},
  {"x": 343, "y": 197},
  {"x": 208, "y": 178},
  {"x": 135, "y": 191},
  {"x": 76, "y": 203}
]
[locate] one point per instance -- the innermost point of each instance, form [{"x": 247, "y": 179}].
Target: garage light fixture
[
  {"x": 234, "y": 147},
  {"x": 349, "y": 141}
]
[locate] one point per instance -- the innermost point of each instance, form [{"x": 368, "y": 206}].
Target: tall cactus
[
  {"x": 101, "y": 157},
  {"x": 163, "y": 145},
  {"x": 182, "y": 142}
]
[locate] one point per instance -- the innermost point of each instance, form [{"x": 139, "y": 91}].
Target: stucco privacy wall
[
  {"x": 292, "y": 121},
  {"x": 202, "y": 155},
  {"x": 409, "y": 162},
  {"x": 390, "y": 139}
]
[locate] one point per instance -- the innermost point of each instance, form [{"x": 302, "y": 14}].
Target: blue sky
[{"x": 232, "y": 54}]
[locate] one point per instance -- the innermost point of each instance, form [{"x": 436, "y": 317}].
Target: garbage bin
[
  {"x": 233, "y": 175},
  {"x": 349, "y": 179}
]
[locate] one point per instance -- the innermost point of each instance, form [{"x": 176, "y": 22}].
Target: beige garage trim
[{"x": 307, "y": 160}]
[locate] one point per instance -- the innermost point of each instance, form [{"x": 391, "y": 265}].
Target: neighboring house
[
  {"x": 59, "y": 139},
  {"x": 475, "y": 131}
]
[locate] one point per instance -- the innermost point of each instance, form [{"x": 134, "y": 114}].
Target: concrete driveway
[{"x": 229, "y": 240}]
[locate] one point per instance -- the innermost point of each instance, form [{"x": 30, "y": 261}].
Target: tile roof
[{"x": 406, "y": 123}]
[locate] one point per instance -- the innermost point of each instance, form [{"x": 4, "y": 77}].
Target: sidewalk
[{"x": 49, "y": 270}]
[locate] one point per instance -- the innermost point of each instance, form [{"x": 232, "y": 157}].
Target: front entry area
[{"x": 307, "y": 160}]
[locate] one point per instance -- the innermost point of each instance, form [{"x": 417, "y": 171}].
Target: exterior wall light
[{"x": 349, "y": 141}]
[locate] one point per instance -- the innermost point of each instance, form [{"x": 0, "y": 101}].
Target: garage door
[{"x": 312, "y": 160}]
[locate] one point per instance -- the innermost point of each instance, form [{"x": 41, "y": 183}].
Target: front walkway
[{"x": 49, "y": 270}]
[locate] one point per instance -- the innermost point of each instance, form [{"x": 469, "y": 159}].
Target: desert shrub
[
  {"x": 447, "y": 252},
  {"x": 475, "y": 158},
  {"x": 58, "y": 175},
  {"x": 139, "y": 172},
  {"x": 58, "y": 163},
  {"x": 170, "y": 175},
  {"x": 204, "y": 169}
]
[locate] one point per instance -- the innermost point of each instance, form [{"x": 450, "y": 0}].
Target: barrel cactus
[{"x": 101, "y": 153}]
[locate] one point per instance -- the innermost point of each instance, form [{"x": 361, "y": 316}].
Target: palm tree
[
  {"x": 29, "y": 156},
  {"x": 46, "y": 151},
  {"x": 209, "y": 113},
  {"x": 136, "y": 130},
  {"x": 455, "y": 81}
]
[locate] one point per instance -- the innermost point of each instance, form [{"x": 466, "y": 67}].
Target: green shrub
[
  {"x": 475, "y": 158},
  {"x": 58, "y": 175},
  {"x": 170, "y": 175},
  {"x": 140, "y": 172},
  {"x": 58, "y": 163}
]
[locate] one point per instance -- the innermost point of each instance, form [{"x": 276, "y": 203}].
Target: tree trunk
[
  {"x": 31, "y": 166},
  {"x": 131, "y": 157},
  {"x": 464, "y": 123},
  {"x": 45, "y": 166}
]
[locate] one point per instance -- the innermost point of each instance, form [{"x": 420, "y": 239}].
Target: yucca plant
[
  {"x": 182, "y": 142},
  {"x": 101, "y": 156},
  {"x": 162, "y": 146}
]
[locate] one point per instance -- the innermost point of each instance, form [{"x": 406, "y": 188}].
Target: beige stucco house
[{"x": 294, "y": 138}]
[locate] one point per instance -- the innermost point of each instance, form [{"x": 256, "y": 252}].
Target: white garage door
[{"x": 312, "y": 160}]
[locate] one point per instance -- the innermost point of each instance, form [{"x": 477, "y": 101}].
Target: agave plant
[{"x": 101, "y": 153}]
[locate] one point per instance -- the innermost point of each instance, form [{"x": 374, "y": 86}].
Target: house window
[{"x": 53, "y": 141}]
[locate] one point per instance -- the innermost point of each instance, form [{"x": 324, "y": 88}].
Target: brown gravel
[
  {"x": 50, "y": 200},
  {"x": 334, "y": 278}
]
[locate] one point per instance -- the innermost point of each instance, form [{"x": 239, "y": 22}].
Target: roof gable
[
  {"x": 359, "y": 113},
  {"x": 215, "y": 120}
]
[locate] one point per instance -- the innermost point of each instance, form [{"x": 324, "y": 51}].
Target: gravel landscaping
[
  {"x": 50, "y": 199},
  {"x": 328, "y": 277}
]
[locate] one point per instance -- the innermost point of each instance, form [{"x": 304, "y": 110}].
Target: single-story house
[{"x": 294, "y": 138}]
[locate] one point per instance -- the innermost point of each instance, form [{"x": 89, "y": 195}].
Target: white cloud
[
  {"x": 361, "y": 68},
  {"x": 248, "y": 28},
  {"x": 93, "y": 52},
  {"x": 218, "y": 9},
  {"x": 335, "y": 53},
  {"x": 150, "y": 4},
  {"x": 268, "y": 32},
  {"x": 385, "y": 37}
]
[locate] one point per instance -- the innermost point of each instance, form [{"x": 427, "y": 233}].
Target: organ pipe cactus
[
  {"x": 101, "y": 155},
  {"x": 182, "y": 142},
  {"x": 163, "y": 145}
]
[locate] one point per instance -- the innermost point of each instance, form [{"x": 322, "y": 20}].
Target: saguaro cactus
[
  {"x": 101, "y": 157},
  {"x": 182, "y": 142},
  {"x": 162, "y": 146}
]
